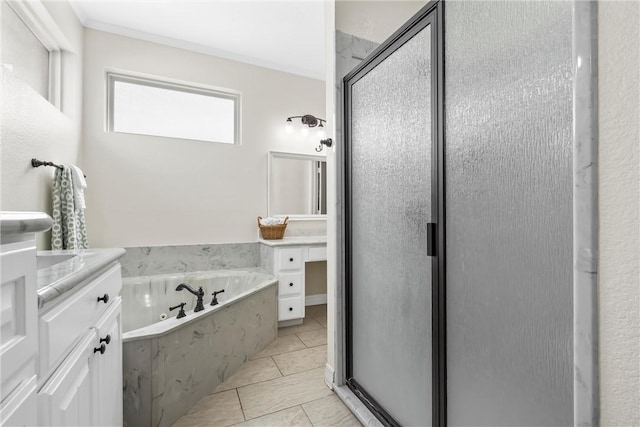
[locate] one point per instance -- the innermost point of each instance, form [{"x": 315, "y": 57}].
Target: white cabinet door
[
  {"x": 68, "y": 398},
  {"x": 18, "y": 315},
  {"x": 109, "y": 365}
]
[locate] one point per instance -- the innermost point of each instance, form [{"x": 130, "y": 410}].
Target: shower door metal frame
[{"x": 432, "y": 14}]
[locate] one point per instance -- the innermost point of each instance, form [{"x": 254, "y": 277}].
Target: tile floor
[{"x": 283, "y": 385}]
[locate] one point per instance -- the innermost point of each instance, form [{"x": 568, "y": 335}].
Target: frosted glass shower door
[
  {"x": 509, "y": 223},
  {"x": 389, "y": 155}
]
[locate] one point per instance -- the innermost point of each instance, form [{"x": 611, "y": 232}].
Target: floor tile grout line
[
  {"x": 264, "y": 381},
  {"x": 296, "y": 351},
  {"x": 244, "y": 417},
  {"x": 275, "y": 354},
  {"x": 304, "y": 370},
  {"x": 289, "y": 407},
  {"x": 247, "y": 385},
  {"x": 277, "y": 367},
  {"x": 306, "y": 414}
]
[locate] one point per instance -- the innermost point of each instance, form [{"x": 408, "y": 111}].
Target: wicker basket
[{"x": 273, "y": 232}]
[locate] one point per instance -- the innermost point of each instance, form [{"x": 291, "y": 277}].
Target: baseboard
[
  {"x": 292, "y": 322},
  {"x": 315, "y": 299},
  {"x": 328, "y": 376}
]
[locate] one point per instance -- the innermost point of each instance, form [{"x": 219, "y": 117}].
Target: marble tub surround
[
  {"x": 150, "y": 260},
  {"x": 281, "y": 386},
  {"x": 164, "y": 376},
  {"x": 56, "y": 280}
]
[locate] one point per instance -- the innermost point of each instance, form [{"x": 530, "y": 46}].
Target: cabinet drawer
[
  {"x": 290, "y": 308},
  {"x": 290, "y": 259},
  {"x": 290, "y": 284},
  {"x": 318, "y": 253},
  {"x": 65, "y": 323}
]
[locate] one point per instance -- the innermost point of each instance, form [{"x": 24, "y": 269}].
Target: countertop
[
  {"x": 296, "y": 241},
  {"x": 64, "y": 276},
  {"x": 24, "y": 222}
]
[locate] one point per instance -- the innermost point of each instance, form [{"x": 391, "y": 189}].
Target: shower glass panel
[
  {"x": 508, "y": 179},
  {"x": 390, "y": 158}
]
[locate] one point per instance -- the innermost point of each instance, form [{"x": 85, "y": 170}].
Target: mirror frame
[{"x": 280, "y": 154}]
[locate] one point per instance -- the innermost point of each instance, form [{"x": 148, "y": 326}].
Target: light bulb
[
  {"x": 321, "y": 133},
  {"x": 289, "y": 126},
  {"x": 305, "y": 130}
]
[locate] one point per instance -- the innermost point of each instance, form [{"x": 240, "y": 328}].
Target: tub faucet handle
[
  {"x": 214, "y": 301},
  {"x": 200, "y": 295},
  {"x": 181, "y": 313}
]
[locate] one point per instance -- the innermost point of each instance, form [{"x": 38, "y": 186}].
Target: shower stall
[{"x": 469, "y": 222}]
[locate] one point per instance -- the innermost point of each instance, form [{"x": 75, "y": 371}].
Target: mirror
[{"x": 297, "y": 185}]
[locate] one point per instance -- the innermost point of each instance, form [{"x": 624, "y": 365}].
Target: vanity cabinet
[
  {"x": 289, "y": 267},
  {"x": 81, "y": 344},
  {"x": 19, "y": 314},
  {"x": 60, "y": 336}
]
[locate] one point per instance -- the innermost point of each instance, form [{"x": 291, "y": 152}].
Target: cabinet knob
[
  {"x": 106, "y": 339},
  {"x": 290, "y": 308},
  {"x": 104, "y": 298},
  {"x": 290, "y": 284},
  {"x": 100, "y": 349},
  {"x": 290, "y": 259}
]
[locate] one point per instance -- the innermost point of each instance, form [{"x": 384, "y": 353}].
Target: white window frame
[
  {"x": 38, "y": 20},
  {"x": 113, "y": 76}
]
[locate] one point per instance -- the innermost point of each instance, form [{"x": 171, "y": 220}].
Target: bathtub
[{"x": 169, "y": 363}]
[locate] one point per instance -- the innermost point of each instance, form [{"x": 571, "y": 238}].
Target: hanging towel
[
  {"x": 68, "y": 230},
  {"x": 79, "y": 184}
]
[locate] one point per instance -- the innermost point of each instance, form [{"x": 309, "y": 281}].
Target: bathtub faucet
[
  {"x": 199, "y": 293},
  {"x": 214, "y": 301}
]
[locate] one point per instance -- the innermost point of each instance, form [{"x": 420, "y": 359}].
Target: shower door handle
[{"x": 431, "y": 239}]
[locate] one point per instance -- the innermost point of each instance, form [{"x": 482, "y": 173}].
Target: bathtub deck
[{"x": 282, "y": 385}]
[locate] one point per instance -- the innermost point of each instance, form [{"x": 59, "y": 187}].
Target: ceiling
[{"x": 282, "y": 35}]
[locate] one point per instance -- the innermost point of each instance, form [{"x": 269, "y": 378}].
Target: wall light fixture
[{"x": 311, "y": 121}]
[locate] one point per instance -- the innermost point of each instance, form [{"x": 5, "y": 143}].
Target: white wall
[
  {"x": 33, "y": 127},
  {"x": 146, "y": 191},
  {"x": 619, "y": 189}
]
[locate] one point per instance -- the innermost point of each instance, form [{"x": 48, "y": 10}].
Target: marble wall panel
[
  {"x": 190, "y": 362},
  {"x": 151, "y": 260}
]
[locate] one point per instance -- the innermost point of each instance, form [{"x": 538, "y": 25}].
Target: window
[
  {"x": 32, "y": 45},
  {"x": 174, "y": 110}
]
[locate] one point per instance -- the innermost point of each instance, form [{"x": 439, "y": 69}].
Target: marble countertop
[
  {"x": 296, "y": 241},
  {"x": 24, "y": 222},
  {"x": 61, "y": 277}
]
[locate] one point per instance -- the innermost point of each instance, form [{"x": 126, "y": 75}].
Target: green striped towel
[{"x": 68, "y": 231}]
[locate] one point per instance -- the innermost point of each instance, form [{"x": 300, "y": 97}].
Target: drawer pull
[
  {"x": 290, "y": 308},
  {"x": 104, "y": 298},
  {"x": 290, "y": 259},
  {"x": 100, "y": 349},
  {"x": 106, "y": 339},
  {"x": 290, "y": 284}
]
